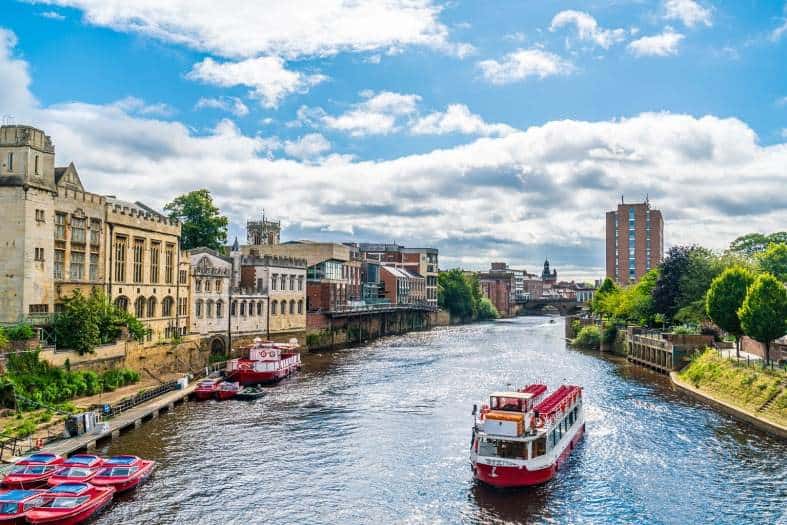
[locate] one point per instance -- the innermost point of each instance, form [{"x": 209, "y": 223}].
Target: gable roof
[{"x": 67, "y": 177}]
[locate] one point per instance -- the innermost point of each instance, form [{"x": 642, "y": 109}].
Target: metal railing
[{"x": 109, "y": 411}]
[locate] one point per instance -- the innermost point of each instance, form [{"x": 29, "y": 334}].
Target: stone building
[{"x": 58, "y": 237}]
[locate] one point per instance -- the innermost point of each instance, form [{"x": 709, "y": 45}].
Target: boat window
[
  {"x": 9, "y": 508},
  {"x": 512, "y": 449},
  {"x": 31, "y": 469},
  {"x": 540, "y": 446},
  {"x": 118, "y": 471},
  {"x": 487, "y": 448},
  {"x": 65, "y": 503},
  {"x": 75, "y": 472},
  {"x": 33, "y": 503}
]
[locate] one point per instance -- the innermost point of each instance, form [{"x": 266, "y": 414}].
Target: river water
[{"x": 380, "y": 434}]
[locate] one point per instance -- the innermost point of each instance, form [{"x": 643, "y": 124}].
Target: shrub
[
  {"x": 20, "y": 332},
  {"x": 486, "y": 310},
  {"x": 686, "y": 329},
  {"x": 589, "y": 338},
  {"x": 609, "y": 333}
]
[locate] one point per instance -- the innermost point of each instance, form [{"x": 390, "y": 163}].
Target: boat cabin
[
  {"x": 42, "y": 458},
  {"x": 17, "y": 502},
  {"x": 511, "y": 401}
]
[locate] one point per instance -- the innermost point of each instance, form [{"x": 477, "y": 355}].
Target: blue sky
[{"x": 493, "y": 130}]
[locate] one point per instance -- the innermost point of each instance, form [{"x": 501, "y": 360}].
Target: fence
[
  {"x": 108, "y": 411},
  {"x": 748, "y": 362}
]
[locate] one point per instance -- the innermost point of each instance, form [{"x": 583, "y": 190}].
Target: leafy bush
[
  {"x": 589, "y": 338},
  {"x": 486, "y": 310},
  {"x": 609, "y": 332},
  {"x": 686, "y": 329},
  {"x": 20, "y": 332}
]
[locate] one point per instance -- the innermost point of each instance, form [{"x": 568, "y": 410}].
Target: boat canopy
[
  {"x": 72, "y": 489},
  {"x": 17, "y": 495},
  {"x": 512, "y": 395}
]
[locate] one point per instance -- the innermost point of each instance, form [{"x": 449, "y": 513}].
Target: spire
[{"x": 235, "y": 245}]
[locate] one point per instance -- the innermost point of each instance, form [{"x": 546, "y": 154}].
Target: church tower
[{"x": 27, "y": 192}]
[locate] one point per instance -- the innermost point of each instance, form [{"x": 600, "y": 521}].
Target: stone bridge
[{"x": 545, "y": 305}]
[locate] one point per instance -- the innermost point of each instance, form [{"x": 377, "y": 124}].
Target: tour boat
[
  {"x": 206, "y": 388},
  {"x": 268, "y": 362},
  {"x": 521, "y": 438},
  {"x": 70, "y": 504},
  {"x": 15, "y": 503},
  {"x": 123, "y": 472},
  {"x": 227, "y": 390},
  {"x": 32, "y": 471}
]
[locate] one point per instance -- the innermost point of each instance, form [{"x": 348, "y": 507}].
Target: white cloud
[
  {"x": 524, "y": 174},
  {"x": 137, "y": 106},
  {"x": 457, "y": 118},
  {"x": 269, "y": 79},
  {"x": 689, "y": 12},
  {"x": 662, "y": 45},
  {"x": 522, "y": 64},
  {"x": 53, "y": 15},
  {"x": 244, "y": 29},
  {"x": 379, "y": 114},
  {"x": 16, "y": 77},
  {"x": 232, "y": 105},
  {"x": 588, "y": 28},
  {"x": 307, "y": 147},
  {"x": 782, "y": 101},
  {"x": 780, "y": 31}
]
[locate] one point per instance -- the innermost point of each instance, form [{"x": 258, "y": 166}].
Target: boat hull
[
  {"x": 520, "y": 476},
  {"x": 252, "y": 377},
  {"x": 126, "y": 484},
  {"x": 203, "y": 395},
  {"x": 40, "y": 517},
  {"x": 223, "y": 395}
]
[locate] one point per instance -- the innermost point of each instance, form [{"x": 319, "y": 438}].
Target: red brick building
[
  {"x": 498, "y": 287},
  {"x": 635, "y": 241}
]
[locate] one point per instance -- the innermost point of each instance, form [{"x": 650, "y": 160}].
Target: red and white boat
[
  {"x": 32, "y": 471},
  {"x": 268, "y": 362},
  {"x": 206, "y": 389},
  {"x": 70, "y": 504},
  {"x": 79, "y": 468},
  {"x": 227, "y": 390},
  {"x": 15, "y": 504},
  {"x": 521, "y": 438},
  {"x": 123, "y": 473}
]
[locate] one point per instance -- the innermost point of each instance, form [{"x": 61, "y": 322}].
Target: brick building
[
  {"x": 634, "y": 241},
  {"x": 417, "y": 261}
]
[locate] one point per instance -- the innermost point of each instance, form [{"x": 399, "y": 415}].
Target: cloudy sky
[{"x": 495, "y": 130}]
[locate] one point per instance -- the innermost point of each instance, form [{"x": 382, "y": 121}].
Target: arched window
[
  {"x": 274, "y": 304},
  {"x": 166, "y": 306},
  {"x": 122, "y": 303},
  {"x": 207, "y": 285},
  {"x": 234, "y": 308},
  {"x": 218, "y": 286},
  {"x": 292, "y": 282},
  {"x": 251, "y": 308},
  {"x": 243, "y": 308},
  {"x": 139, "y": 307},
  {"x": 300, "y": 306},
  {"x": 198, "y": 285},
  {"x": 259, "y": 308},
  {"x": 198, "y": 308},
  {"x": 209, "y": 309},
  {"x": 219, "y": 309},
  {"x": 283, "y": 307},
  {"x": 151, "y": 306},
  {"x": 292, "y": 306}
]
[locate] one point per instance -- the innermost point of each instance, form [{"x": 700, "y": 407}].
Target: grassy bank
[{"x": 762, "y": 393}]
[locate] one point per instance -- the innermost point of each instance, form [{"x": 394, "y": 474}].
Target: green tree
[
  {"x": 201, "y": 221},
  {"x": 686, "y": 274},
  {"x": 749, "y": 244},
  {"x": 486, "y": 310},
  {"x": 725, "y": 297},
  {"x": 774, "y": 260},
  {"x": 455, "y": 294},
  {"x": 763, "y": 313},
  {"x": 607, "y": 287}
]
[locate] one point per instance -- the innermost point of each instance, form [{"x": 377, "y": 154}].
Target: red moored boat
[
  {"x": 14, "y": 505},
  {"x": 268, "y": 362},
  {"x": 206, "y": 389},
  {"x": 227, "y": 390},
  {"x": 70, "y": 504},
  {"x": 520, "y": 439},
  {"x": 79, "y": 468},
  {"x": 32, "y": 471},
  {"x": 123, "y": 472}
]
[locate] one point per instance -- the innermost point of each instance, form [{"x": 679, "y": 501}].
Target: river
[{"x": 380, "y": 434}]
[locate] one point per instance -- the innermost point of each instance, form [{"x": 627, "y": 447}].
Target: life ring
[
  {"x": 539, "y": 422},
  {"x": 39, "y": 443}
]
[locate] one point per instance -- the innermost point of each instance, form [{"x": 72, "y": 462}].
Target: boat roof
[
  {"x": 18, "y": 495},
  {"x": 40, "y": 458},
  {"x": 70, "y": 488},
  {"x": 82, "y": 459},
  {"x": 515, "y": 395},
  {"x": 121, "y": 460}
]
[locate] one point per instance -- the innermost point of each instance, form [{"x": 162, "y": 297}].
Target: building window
[
  {"x": 300, "y": 306},
  {"x": 274, "y": 304},
  {"x": 234, "y": 308},
  {"x": 10, "y": 162},
  {"x": 300, "y": 283},
  {"x": 39, "y": 254},
  {"x": 183, "y": 276},
  {"x": 122, "y": 303},
  {"x": 139, "y": 307},
  {"x": 40, "y": 216},
  {"x": 120, "y": 259},
  {"x": 209, "y": 309},
  {"x": 274, "y": 281},
  {"x": 155, "y": 255},
  {"x": 166, "y": 307},
  {"x": 93, "y": 268},
  {"x": 95, "y": 232},
  {"x": 60, "y": 226},
  {"x": 219, "y": 309},
  {"x": 78, "y": 226},
  {"x": 292, "y": 307},
  {"x": 38, "y": 308},
  {"x": 207, "y": 285},
  {"x": 198, "y": 308},
  {"x": 139, "y": 250},
  {"x": 218, "y": 285},
  {"x": 198, "y": 285},
  {"x": 152, "y": 307},
  {"x": 251, "y": 308},
  {"x": 169, "y": 260},
  {"x": 183, "y": 306},
  {"x": 259, "y": 308},
  {"x": 36, "y": 165},
  {"x": 292, "y": 282},
  {"x": 243, "y": 308},
  {"x": 77, "y": 269},
  {"x": 60, "y": 257}
]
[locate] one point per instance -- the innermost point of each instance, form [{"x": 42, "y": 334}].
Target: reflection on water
[{"x": 381, "y": 434}]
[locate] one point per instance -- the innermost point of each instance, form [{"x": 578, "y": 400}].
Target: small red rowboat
[
  {"x": 206, "y": 389},
  {"x": 70, "y": 504},
  {"x": 14, "y": 505},
  {"x": 32, "y": 471},
  {"x": 123, "y": 472},
  {"x": 227, "y": 390}
]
